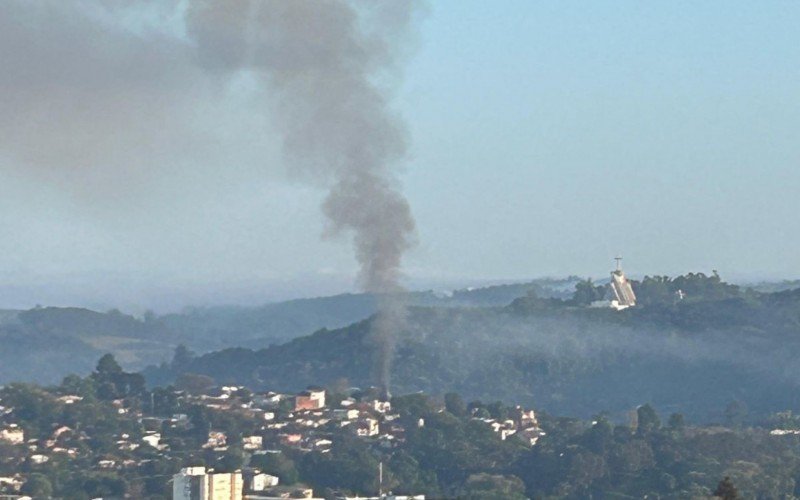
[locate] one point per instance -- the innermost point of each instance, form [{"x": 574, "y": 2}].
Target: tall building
[
  {"x": 621, "y": 289},
  {"x": 195, "y": 483}
]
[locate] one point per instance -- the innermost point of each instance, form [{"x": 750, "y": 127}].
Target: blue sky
[
  {"x": 546, "y": 138},
  {"x": 549, "y": 136}
]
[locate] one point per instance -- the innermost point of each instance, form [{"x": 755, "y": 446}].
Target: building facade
[{"x": 195, "y": 483}]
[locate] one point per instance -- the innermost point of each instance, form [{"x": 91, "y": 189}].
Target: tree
[
  {"x": 277, "y": 464},
  {"x": 113, "y": 383},
  {"x": 497, "y": 410},
  {"x": 487, "y": 486},
  {"x": 194, "y": 383},
  {"x": 586, "y": 293},
  {"x": 676, "y": 422},
  {"x": 182, "y": 358},
  {"x": 232, "y": 460},
  {"x": 647, "y": 420},
  {"x": 600, "y": 436},
  {"x": 654, "y": 290},
  {"x": 38, "y": 485},
  {"x": 735, "y": 413},
  {"x": 726, "y": 490},
  {"x": 108, "y": 365},
  {"x": 454, "y": 404}
]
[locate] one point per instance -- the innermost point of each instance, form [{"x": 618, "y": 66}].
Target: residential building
[
  {"x": 258, "y": 481},
  {"x": 12, "y": 434},
  {"x": 196, "y": 483},
  {"x": 311, "y": 399}
]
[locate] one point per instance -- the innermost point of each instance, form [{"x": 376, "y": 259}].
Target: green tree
[
  {"x": 107, "y": 365},
  {"x": 735, "y": 413},
  {"x": 586, "y": 292},
  {"x": 676, "y": 422},
  {"x": 454, "y": 404},
  {"x": 182, "y": 359},
  {"x": 232, "y": 460},
  {"x": 38, "y": 485},
  {"x": 600, "y": 436},
  {"x": 726, "y": 490},
  {"x": 277, "y": 464},
  {"x": 647, "y": 420},
  {"x": 489, "y": 487},
  {"x": 194, "y": 383}
]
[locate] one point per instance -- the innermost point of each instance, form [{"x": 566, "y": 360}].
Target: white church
[{"x": 619, "y": 294}]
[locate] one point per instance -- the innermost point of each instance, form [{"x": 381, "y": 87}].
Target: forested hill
[
  {"x": 206, "y": 329},
  {"x": 718, "y": 346},
  {"x": 51, "y": 342}
]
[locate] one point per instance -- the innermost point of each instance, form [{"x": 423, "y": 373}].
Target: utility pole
[{"x": 380, "y": 479}]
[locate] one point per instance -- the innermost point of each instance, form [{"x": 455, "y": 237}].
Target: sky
[{"x": 544, "y": 139}]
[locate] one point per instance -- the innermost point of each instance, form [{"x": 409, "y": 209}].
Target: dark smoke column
[{"x": 318, "y": 60}]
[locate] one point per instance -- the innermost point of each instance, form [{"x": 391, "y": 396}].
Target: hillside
[
  {"x": 51, "y": 342},
  {"x": 695, "y": 356},
  {"x": 206, "y": 329}
]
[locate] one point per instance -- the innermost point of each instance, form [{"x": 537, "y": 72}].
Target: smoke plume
[
  {"x": 102, "y": 95},
  {"x": 321, "y": 61}
]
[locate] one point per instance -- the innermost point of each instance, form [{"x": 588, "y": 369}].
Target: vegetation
[
  {"x": 50, "y": 342},
  {"x": 448, "y": 450},
  {"x": 694, "y": 352}
]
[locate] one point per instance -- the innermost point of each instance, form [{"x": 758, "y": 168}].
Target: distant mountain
[
  {"x": 206, "y": 329},
  {"x": 46, "y": 343},
  {"x": 773, "y": 286},
  {"x": 693, "y": 356}
]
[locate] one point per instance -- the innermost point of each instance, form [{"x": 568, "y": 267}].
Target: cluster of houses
[
  {"x": 304, "y": 422},
  {"x": 521, "y": 424},
  {"x": 36, "y": 451}
]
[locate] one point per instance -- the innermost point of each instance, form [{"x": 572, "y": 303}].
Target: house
[
  {"x": 530, "y": 436},
  {"x": 12, "y": 483},
  {"x": 267, "y": 399},
  {"x": 70, "y": 399},
  {"x": 153, "y": 439},
  {"x": 280, "y": 492},
  {"x": 60, "y": 431},
  {"x": 345, "y": 414},
  {"x": 381, "y": 406},
  {"x": 524, "y": 418},
  {"x": 311, "y": 399},
  {"x": 367, "y": 427},
  {"x": 290, "y": 439},
  {"x": 12, "y": 434},
  {"x": 252, "y": 442},
  {"x": 259, "y": 481},
  {"x": 320, "y": 444},
  {"x": 70, "y": 452},
  {"x": 216, "y": 439}
]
